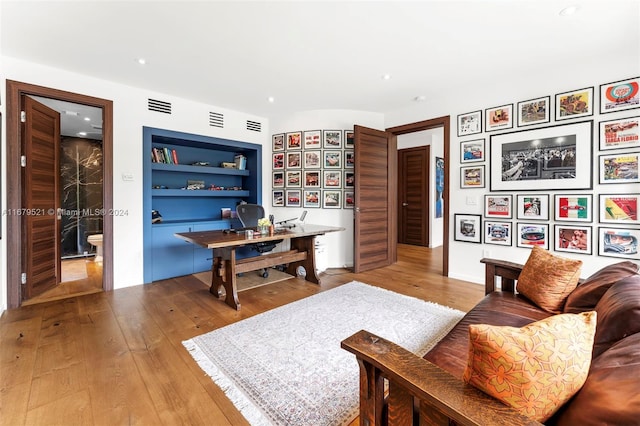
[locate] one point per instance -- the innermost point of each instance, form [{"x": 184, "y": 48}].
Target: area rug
[{"x": 286, "y": 367}]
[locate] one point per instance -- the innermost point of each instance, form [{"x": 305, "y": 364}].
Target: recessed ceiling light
[
  {"x": 386, "y": 76},
  {"x": 569, "y": 10},
  {"x": 87, "y": 119},
  {"x": 82, "y": 133},
  {"x": 141, "y": 61},
  {"x": 271, "y": 99},
  {"x": 420, "y": 98}
]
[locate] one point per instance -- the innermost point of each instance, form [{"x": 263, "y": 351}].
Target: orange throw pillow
[
  {"x": 547, "y": 279},
  {"x": 536, "y": 368}
]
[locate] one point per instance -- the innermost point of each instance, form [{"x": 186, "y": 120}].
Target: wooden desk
[{"x": 225, "y": 265}]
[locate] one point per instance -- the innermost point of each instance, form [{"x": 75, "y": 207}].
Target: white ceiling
[{"x": 316, "y": 55}]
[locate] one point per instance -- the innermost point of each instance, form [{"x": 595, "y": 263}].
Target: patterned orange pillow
[
  {"x": 547, "y": 279},
  {"x": 536, "y": 368}
]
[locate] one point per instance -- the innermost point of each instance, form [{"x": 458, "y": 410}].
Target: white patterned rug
[{"x": 286, "y": 367}]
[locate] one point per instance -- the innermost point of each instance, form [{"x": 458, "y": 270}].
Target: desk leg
[
  {"x": 307, "y": 244},
  {"x": 224, "y": 275}
]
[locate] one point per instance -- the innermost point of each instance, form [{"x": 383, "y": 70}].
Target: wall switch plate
[{"x": 127, "y": 177}]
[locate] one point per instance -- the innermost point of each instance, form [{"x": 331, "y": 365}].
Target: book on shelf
[{"x": 164, "y": 155}]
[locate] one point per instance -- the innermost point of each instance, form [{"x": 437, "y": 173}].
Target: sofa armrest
[
  {"x": 508, "y": 272},
  {"x": 441, "y": 396}
]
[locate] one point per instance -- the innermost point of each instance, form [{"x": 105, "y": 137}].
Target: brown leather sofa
[{"x": 400, "y": 388}]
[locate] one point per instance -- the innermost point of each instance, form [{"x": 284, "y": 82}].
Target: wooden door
[
  {"x": 41, "y": 195},
  {"x": 413, "y": 196},
  {"x": 375, "y": 223}
]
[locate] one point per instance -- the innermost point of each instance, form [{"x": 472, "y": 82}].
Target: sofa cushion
[
  {"x": 610, "y": 394},
  {"x": 587, "y": 295},
  {"x": 547, "y": 279},
  {"x": 536, "y": 368}
]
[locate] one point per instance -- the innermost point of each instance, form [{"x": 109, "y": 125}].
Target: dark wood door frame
[
  {"x": 434, "y": 123},
  {"x": 15, "y": 91}
]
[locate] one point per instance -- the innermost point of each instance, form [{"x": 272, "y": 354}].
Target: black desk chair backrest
[{"x": 249, "y": 214}]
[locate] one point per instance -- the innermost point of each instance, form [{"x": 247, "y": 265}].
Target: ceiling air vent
[
  {"x": 216, "y": 119},
  {"x": 254, "y": 126},
  {"x": 159, "y": 106}
]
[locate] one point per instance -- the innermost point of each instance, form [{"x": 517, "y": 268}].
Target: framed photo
[
  {"x": 277, "y": 142},
  {"x": 499, "y": 233},
  {"x": 312, "y": 159},
  {"x": 331, "y": 199},
  {"x": 620, "y": 168},
  {"x": 621, "y": 209},
  {"x": 332, "y": 159},
  {"x": 472, "y": 177},
  {"x": 293, "y": 178},
  {"x": 574, "y": 104},
  {"x": 554, "y": 157},
  {"x": 293, "y": 198},
  {"x": 472, "y": 151},
  {"x": 311, "y": 199},
  {"x": 470, "y": 123},
  {"x": 278, "y": 180},
  {"x": 349, "y": 159},
  {"x": 573, "y": 208},
  {"x": 498, "y": 118},
  {"x": 620, "y": 133},
  {"x": 467, "y": 227},
  {"x": 278, "y": 199},
  {"x": 278, "y": 161},
  {"x": 294, "y": 160},
  {"x": 534, "y": 111},
  {"x": 533, "y": 234},
  {"x": 572, "y": 239},
  {"x": 349, "y": 199},
  {"x": 532, "y": 207},
  {"x": 620, "y": 95},
  {"x": 312, "y": 139},
  {"x": 294, "y": 140},
  {"x": 498, "y": 206},
  {"x": 349, "y": 179},
  {"x": 312, "y": 178},
  {"x": 349, "y": 137},
  {"x": 332, "y": 139},
  {"x": 618, "y": 242},
  {"x": 332, "y": 179}
]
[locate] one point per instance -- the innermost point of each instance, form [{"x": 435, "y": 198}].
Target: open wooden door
[
  {"x": 41, "y": 197},
  {"x": 413, "y": 194},
  {"x": 375, "y": 223}
]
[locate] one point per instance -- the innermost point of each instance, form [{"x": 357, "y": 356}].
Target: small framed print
[
  {"x": 332, "y": 179},
  {"x": 312, "y": 139},
  {"x": 534, "y": 111},
  {"x": 312, "y": 159},
  {"x": 277, "y": 199},
  {"x": 472, "y": 177},
  {"x": 278, "y": 142},
  {"x": 620, "y": 95},
  {"x": 468, "y": 227},
  {"x": 312, "y": 199},
  {"x": 349, "y": 179},
  {"x": 472, "y": 151},
  {"x": 278, "y": 180},
  {"x": 498, "y": 206},
  {"x": 332, "y": 139},
  {"x": 621, "y": 209},
  {"x": 294, "y": 140},
  {"x": 620, "y": 168},
  {"x": 293, "y": 160},
  {"x": 349, "y": 200},
  {"x": 293, "y": 198},
  {"x": 278, "y": 161},
  {"x": 573, "y": 208},
  {"x": 470, "y": 123},
  {"x": 532, "y": 207},
  {"x": 574, "y": 104},
  {"x": 572, "y": 239},
  {"x": 499, "y": 233},
  {"x": 498, "y": 118},
  {"x": 293, "y": 178},
  {"x": 533, "y": 234},
  {"x": 331, "y": 199},
  {"x": 332, "y": 159},
  {"x": 312, "y": 178},
  {"x": 618, "y": 242},
  {"x": 349, "y": 159},
  {"x": 349, "y": 138},
  {"x": 620, "y": 133}
]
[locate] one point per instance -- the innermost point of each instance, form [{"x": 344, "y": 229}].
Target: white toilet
[{"x": 96, "y": 241}]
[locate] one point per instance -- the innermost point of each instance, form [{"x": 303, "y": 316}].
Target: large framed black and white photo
[
  {"x": 554, "y": 157},
  {"x": 468, "y": 227}
]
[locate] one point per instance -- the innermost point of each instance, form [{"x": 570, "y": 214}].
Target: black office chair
[{"x": 249, "y": 215}]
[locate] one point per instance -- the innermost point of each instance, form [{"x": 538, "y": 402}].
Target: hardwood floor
[{"x": 113, "y": 358}]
